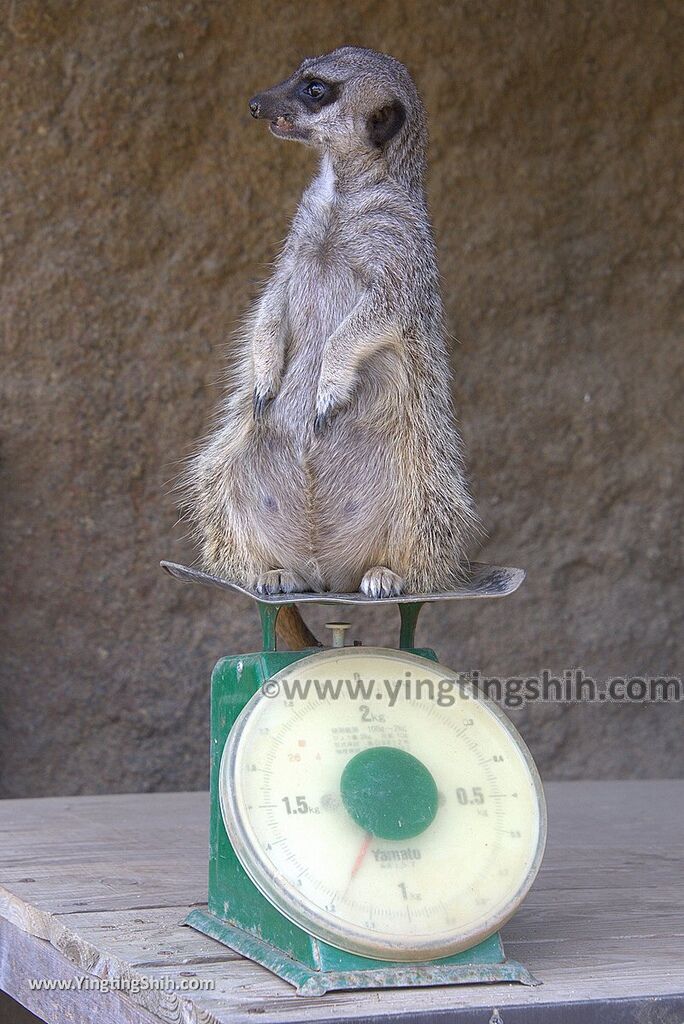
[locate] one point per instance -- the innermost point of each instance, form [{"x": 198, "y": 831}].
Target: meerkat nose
[{"x": 255, "y": 107}]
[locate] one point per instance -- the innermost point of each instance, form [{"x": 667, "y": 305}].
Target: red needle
[{"x": 361, "y": 854}]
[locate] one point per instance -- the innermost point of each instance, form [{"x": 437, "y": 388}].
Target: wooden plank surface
[{"x": 101, "y": 885}]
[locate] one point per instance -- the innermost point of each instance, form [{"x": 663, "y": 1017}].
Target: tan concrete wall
[{"x": 140, "y": 205}]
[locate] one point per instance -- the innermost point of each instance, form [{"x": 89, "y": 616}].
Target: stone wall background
[{"x": 140, "y": 207}]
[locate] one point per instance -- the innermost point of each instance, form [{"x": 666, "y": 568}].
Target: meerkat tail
[{"x": 292, "y": 629}]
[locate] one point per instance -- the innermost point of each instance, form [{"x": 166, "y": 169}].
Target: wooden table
[{"x": 97, "y": 887}]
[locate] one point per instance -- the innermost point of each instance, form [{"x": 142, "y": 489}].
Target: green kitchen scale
[{"x": 374, "y": 820}]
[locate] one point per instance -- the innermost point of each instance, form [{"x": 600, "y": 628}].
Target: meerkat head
[{"x": 347, "y": 101}]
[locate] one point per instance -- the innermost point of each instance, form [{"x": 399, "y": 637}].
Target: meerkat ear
[{"x": 383, "y": 124}]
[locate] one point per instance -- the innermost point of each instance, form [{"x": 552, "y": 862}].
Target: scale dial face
[{"x": 402, "y": 818}]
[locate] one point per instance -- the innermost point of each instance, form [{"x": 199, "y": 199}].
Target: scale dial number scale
[{"x": 389, "y": 822}]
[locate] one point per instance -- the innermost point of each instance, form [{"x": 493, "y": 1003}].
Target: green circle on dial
[{"x": 389, "y": 793}]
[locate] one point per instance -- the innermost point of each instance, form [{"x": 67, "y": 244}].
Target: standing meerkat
[{"x": 335, "y": 463}]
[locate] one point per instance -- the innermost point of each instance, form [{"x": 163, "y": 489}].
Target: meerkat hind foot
[
  {"x": 280, "y": 581},
  {"x": 381, "y": 582}
]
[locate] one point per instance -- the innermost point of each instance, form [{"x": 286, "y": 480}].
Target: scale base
[{"x": 484, "y": 963}]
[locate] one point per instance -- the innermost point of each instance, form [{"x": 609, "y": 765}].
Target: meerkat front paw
[
  {"x": 381, "y": 582},
  {"x": 321, "y": 421},
  {"x": 279, "y": 581},
  {"x": 329, "y": 402},
  {"x": 261, "y": 399},
  {"x": 324, "y": 415}
]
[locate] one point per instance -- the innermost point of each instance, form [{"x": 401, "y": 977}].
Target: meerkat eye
[{"x": 316, "y": 90}]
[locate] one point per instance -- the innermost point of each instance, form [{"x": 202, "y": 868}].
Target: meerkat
[{"x": 335, "y": 464}]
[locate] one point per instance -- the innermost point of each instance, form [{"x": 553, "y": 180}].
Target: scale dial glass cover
[{"x": 403, "y": 820}]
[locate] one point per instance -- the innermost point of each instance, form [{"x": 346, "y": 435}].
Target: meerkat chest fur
[
  {"x": 345, "y": 230},
  {"x": 324, "y": 282}
]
